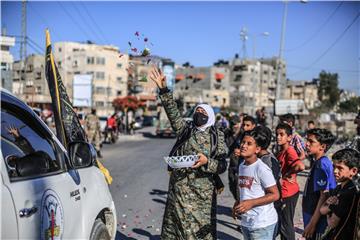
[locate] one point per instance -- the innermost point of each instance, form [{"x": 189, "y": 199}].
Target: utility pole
[
  {"x": 279, "y": 60},
  {"x": 244, "y": 38},
  {"x": 23, "y": 44}
]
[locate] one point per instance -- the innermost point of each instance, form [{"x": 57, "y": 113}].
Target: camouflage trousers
[
  {"x": 94, "y": 138},
  {"x": 189, "y": 216}
]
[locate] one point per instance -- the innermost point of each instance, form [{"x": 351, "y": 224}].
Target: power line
[
  {"x": 330, "y": 47},
  {"x": 38, "y": 14},
  {"x": 30, "y": 40},
  {"x": 95, "y": 23},
  {"x": 84, "y": 20},
  {"x": 317, "y": 31},
  {"x": 74, "y": 21}
]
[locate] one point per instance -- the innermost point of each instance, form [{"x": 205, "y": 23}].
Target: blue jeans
[{"x": 265, "y": 233}]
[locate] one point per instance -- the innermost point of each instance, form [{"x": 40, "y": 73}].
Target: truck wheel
[{"x": 99, "y": 231}]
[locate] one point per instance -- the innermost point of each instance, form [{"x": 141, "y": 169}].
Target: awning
[
  {"x": 219, "y": 76},
  {"x": 179, "y": 77},
  {"x": 200, "y": 76},
  {"x": 147, "y": 98}
]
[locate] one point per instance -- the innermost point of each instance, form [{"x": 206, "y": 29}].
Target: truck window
[{"x": 26, "y": 147}]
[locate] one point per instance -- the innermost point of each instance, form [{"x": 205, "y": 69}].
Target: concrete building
[
  {"x": 102, "y": 62},
  {"x": 6, "y": 60},
  {"x": 203, "y": 84},
  {"x": 31, "y": 85},
  {"x": 253, "y": 84},
  {"x": 303, "y": 90}
]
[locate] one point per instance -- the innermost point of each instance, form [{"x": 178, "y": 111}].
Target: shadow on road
[
  {"x": 146, "y": 234},
  {"x": 159, "y": 201},
  {"x": 120, "y": 236},
  {"x": 231, "y": 225},
  {"x": 148, "y": 135},
  {"x": 223, "y": 210},
  {"x": 158, "y": 192},
  {"x": 225, "y": 236}
]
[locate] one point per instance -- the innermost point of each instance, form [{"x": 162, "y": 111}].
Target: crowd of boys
[{"x": 264, "y": 183}]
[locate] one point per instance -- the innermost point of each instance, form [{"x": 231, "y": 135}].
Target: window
[
  {"x": 4, "y": 66},
  {"x": 100, "y": 61},
  {"x": 100, "y": 90},
  {"x": 27, "y": 148},
  {"x": 100, "y": 75},
  {"x": 38, "y": 89},
  {"x": 118, "y": 92},
  {"x": 59, "y": 49},
  {"x": 238, "y": 78},
  {"x": 119, "y": 65},
  {"x": 59, "y": 64},
  {"x": 99, "y": 104},
  {"x": 5, "y": 48},
  {"x": 75, "y": 63},
  {"x": 119, "y": 79},
  {"x": 90, "y": 60}
]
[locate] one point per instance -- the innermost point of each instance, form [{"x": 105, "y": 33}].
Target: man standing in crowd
[{"x": 92, "y": 129}]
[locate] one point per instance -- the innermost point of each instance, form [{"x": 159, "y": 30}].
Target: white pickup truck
[{"x": 47, "y": 191}]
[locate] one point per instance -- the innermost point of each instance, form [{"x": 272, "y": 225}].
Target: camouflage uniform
[
  {"x": 190, "y": 211},
  {"x": 92, "y": 129}
]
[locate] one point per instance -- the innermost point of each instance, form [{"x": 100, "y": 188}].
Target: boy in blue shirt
[{"x": 320, "y": 181}]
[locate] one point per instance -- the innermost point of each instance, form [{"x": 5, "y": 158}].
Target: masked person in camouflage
[{"x": 190, "y": 211}]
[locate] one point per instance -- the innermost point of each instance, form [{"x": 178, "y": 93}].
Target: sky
[{"x": 318, "y": 36}]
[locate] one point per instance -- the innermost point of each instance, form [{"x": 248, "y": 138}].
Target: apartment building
[
  {"x": 203, "y": 84},
  {"x": 104, "y": 63},
  {"x": 6, "y": 60},
  {"x": 108, "y": 70},
  {"x": 30, "y": 83},
  {"x": 253, "y": 84},
  {"x": 303, "y": 90}
]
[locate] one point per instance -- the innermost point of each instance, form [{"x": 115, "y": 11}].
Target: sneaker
[{"x": 99, "y": 154}]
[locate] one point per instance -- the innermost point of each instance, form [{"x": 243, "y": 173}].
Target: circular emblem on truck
[{"x": 52, "y": 216}]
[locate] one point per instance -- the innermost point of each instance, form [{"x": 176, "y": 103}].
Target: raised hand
[
  {"x": 157, "y": 77},
  {"x": 13, "y": 131}
]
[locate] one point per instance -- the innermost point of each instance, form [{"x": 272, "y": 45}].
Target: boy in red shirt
[{"x": 290, "y": 165}]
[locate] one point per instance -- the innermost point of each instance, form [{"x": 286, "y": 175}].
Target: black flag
[{"x": 68, "y": 127}]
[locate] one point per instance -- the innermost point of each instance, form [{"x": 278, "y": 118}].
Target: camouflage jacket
[{"x": 190, "y": 211}]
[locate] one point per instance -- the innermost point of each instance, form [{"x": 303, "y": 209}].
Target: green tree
[
  {"x": 328, "y": 91},
  {"x": 350, "y": 105}
]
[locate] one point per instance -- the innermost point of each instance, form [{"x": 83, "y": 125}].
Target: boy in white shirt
[{"x": 258, "y": 191}]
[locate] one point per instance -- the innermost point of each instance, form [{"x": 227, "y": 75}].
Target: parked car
[
  {"x": 48, "y": 191},
  {"x": 138, "y": 122}
]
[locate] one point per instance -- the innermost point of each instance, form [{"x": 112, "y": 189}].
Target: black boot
[{"x": 99, "y": 154}]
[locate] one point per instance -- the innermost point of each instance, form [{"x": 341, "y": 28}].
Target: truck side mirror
[{"x": 82, "y": 154}]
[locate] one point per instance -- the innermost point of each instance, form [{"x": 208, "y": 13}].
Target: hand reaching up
[{"x": 157, "y": 77}]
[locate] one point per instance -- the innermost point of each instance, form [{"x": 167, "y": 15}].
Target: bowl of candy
[{"x": 181, "y": 161}]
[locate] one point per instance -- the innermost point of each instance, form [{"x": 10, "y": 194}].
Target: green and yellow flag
[{"x": 68, "y": 127}]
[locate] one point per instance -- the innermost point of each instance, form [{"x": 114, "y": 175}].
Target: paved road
[{"x": 140, "y": 185}]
